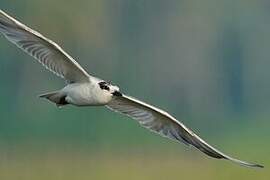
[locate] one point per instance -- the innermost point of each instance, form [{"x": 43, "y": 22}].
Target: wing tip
[
  {"x": 5, "y": 18},
  {"x": 246, "y": 164},
  {"x": 3, "y": 13},
  {"x": 256, "y": 165}
]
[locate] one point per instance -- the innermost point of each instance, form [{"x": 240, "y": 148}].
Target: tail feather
[{"x": 56, "y": 97}]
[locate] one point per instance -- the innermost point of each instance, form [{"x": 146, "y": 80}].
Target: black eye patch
[{"x": 104, "y": 85}]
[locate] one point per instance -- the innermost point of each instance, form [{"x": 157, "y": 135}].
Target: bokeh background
[{"x": 206, "y": 62}]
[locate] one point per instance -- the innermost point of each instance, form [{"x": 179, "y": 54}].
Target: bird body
[
  {"x": 84, "y": 89},
  {"x": 85, "y": 94},
  {"x": 82, "y": 94}
]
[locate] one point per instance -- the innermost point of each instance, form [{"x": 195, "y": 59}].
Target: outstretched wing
[
  {"x": 164, "y": 124},
  {"x": 47, "y": 52}
]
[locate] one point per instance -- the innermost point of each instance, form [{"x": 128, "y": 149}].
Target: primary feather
[
  {"x": 47, "y": 52},
  {"x": 166, "y": 125}
]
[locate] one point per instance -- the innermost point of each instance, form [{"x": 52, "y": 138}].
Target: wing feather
[
  {"x": 47, "y": 52},
  {"x": 167, "y": 126}
]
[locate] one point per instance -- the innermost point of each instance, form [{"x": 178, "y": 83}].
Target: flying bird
[{"x": 83, "y": 89}]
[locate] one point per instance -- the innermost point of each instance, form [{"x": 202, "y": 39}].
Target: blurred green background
[{"x": 206, "y": 62}]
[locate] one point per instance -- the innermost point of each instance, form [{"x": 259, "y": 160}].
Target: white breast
[{"x": 86, "y": 94}]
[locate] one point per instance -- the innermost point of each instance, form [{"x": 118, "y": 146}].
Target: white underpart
[{"x": 86, "y": 94}]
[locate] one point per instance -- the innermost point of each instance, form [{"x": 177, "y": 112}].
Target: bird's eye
[{"x": 103, "y": 85}]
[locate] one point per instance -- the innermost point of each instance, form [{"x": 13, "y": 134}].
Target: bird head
[{"x": 109, "y": 88}]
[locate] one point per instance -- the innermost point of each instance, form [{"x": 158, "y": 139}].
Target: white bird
[{"x": 86, "y": 90}]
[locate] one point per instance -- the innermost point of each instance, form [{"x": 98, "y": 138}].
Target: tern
[{"x": 83, "y": 89}]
